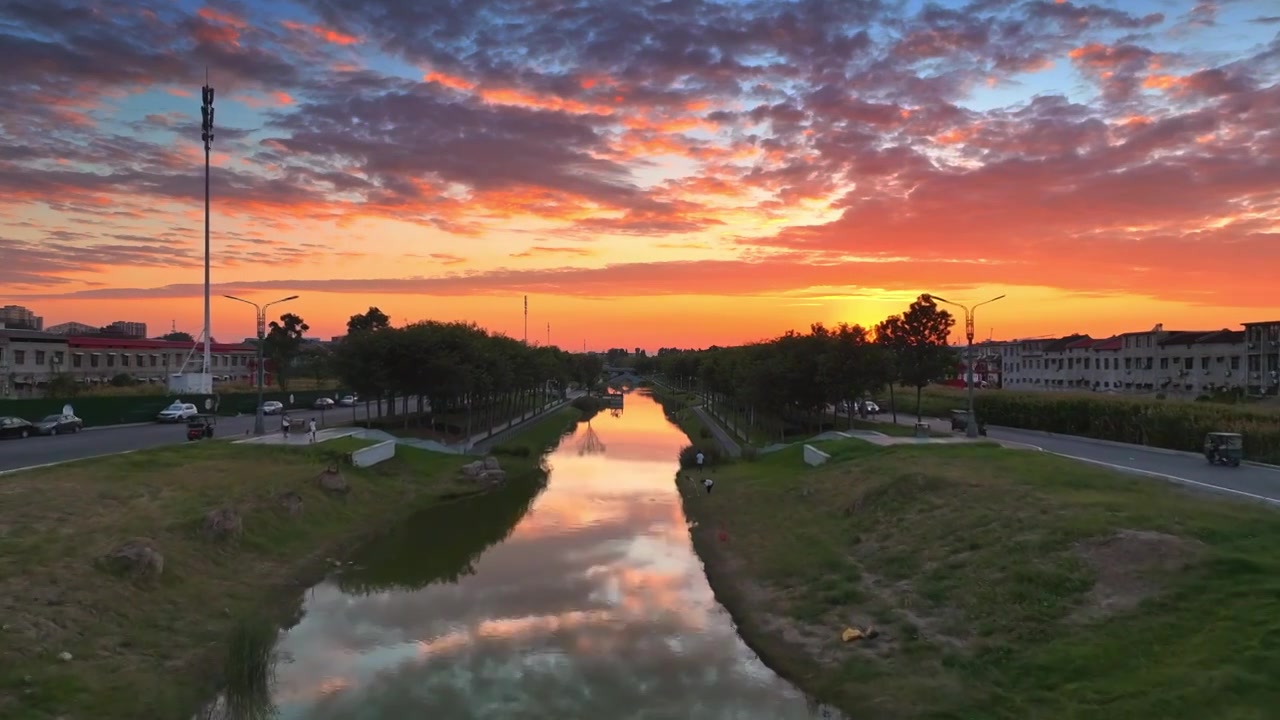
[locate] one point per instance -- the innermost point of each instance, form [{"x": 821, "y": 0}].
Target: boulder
[
  {"x": 221, "y": 525},
  {"x": 491, "y": 463},
  {"x": 494, "y": 476},
  {"x": 137, "y": 558},
  {"x": 290, "y": 503},
  {"x": 331, "y": 480},
  {"x": 473, "y": 469}
]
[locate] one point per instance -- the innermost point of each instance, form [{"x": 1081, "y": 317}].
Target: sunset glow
[{"x": 648, "y": 173}]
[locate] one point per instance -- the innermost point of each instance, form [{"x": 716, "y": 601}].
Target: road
[
  {"x": 93, "y": 442},
  {"x": 1252, "y": 481}
]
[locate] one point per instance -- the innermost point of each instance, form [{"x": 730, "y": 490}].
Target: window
[
  {"x": 59, "y": 358},
  {"x": 40, "y": 359},
  {"x": 1189, "y": 363},
  {"x": 1086, "y": 363},
  {"x": 142, "y": 360},
  {"x": 77, "y": 360},
  {"x": 1128, "y": 363},
  {"x": 124, "y": 360},
  {"x": 19, "y": 357},
  {"x": 1235, "y": 362},
  {"x": 1164, "y": 363},
  {"x": 1148, "y": 364},
  {"x": 93, "y": 360},
  {"x": 111, "y": 359},
  {"x": 1204, "y": 362}
]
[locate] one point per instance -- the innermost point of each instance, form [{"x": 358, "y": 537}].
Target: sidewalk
[
  {"x": 484, "y": 441},
  {"x": 300, "y": 438},
  {"x": 721, "y": 435}
]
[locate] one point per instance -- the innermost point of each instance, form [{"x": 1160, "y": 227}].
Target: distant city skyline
[{"x": 673, "y": 174}]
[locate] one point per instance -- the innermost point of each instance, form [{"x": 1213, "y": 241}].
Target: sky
[{"x": 649, "y": 173}]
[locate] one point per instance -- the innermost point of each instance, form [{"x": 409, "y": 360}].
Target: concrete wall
[
  {"x": 814, "y": 457},
  {"x": 374, "y": 454}
]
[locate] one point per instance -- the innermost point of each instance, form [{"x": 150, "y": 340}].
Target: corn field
[{"x": 1164, "y": 424}]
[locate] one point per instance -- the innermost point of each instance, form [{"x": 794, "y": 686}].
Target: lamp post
[
  {"x": 260, "y": 315},
  {"x": 971, "y": 427}
]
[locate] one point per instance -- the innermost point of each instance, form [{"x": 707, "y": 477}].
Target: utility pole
[
  {"x": 971, "y": 425},
  {"x": 206, "y": 134},
  {"x": 548, "y": 334},
  {"x": 526, "y": 319}
]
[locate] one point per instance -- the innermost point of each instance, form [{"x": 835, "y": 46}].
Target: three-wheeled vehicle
[
  {"x": 960, "y": 422},
  {"x": 200, "y": 427},
  {"x": 1224, "y": 448}
]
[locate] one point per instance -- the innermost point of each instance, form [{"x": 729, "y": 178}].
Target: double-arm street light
[
  {"x": 260, "y": 314},
  {"x": 971, "y": 427}
]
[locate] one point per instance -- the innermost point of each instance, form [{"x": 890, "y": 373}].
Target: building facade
[
  {"x": 29, "y": 360},
  {"x": 128, "y": 328},
  {"x": 20, "y": 318},
  {"x": 1174, "y": 362}
]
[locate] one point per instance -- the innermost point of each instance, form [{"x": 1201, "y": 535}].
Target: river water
[{"x": 580, "y": 600}]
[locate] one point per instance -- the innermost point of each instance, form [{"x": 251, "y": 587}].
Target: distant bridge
[{"x": 619, "y": 376}]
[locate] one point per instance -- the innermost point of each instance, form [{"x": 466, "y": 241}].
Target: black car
[
  {"x": 56, "y": 424},
  {"x": 16, "y": 427}
]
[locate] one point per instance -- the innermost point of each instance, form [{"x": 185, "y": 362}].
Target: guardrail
[{"x": 374, "y": 454}]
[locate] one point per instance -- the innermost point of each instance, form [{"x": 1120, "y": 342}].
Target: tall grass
[{"x": 249, "y": 670}]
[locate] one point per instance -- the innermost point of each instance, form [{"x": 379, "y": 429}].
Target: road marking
[
  {"x": 64, "y": 462},
  {"x": 1164, "y": 476}
]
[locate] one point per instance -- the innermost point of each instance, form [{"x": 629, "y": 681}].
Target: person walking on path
[
  {"x": 708, "y": 483},
  {"x": 700, "y": 459},
  {"x": 284, "y": 426},
  {"x": 311, "y": 429}
]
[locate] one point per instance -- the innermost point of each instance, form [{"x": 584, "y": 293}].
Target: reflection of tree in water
[
  {"x": 590, "y": 444},
  {"x": 440, "y": 544}
]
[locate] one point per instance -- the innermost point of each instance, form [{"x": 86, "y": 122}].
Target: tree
[
  {"x": 918, "y": 340},
  {"x": 372, "y": 319},
  {"x": 282, "y": 345},
  {"x": 178, "y": 336}
]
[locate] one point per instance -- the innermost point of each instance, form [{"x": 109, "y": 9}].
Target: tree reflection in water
[{"x": 440, "y": 544}]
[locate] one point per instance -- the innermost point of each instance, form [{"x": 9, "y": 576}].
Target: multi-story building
[
  {"x": 18, "y": 317},
  {"x": 98, "y": 359},
  {"x": 1262, "y": 357},
  {"x": 72, "y": 328},
  {"x": 1157, "y": 360},
  {"x": 28, "y": 359},
  {"x": 128, "y": 328}
]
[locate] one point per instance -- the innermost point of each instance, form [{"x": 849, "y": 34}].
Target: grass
[
  {"x": 159, "y": 648},
  {"x": 1003, "y": 584}
]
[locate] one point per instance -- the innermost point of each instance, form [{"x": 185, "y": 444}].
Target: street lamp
[
  {"x": 260, "y": 314},
  {"x": 971, "y": 427}
]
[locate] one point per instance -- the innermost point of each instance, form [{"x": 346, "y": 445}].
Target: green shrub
[
  {"x": 689, "y": 455},
  {"x": 750, "y": 453},
  {"x": 1164, "y": 424},
  {"x": 511, "y": 450},
  {"x": 704, "y": 433}
]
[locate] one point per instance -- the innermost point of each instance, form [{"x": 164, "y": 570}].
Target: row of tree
[
  {"x": 791, "y": 378},
  {"x": 453, "y": 368}
]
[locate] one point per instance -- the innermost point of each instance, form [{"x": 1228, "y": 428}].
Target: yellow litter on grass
[{"x": 851, "y": 634}]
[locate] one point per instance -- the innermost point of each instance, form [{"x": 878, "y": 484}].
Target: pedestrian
[
  {"x": 700, "y": 459},
  {"x": 284, "y": 426},
  {"x": 311, "y": 429},
  {"x": 708, "y": 483}
]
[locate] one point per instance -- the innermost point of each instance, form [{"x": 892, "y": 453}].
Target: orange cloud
[{"x": 329, "y": 35}]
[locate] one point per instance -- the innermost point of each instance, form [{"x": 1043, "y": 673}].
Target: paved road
[
  {"x": 1256, "y": 482},
  {"x": 16, "y": 454}
]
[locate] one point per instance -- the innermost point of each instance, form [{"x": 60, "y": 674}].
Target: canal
[{"x": 580, "y": 599}]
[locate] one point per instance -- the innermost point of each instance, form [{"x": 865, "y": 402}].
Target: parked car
[
  {"x": 16, "y": 427},
  {"x": 348, "y": 401},
  {"x": 272, "y": 407},
  {"x": 324, "y": 403},
  {"x": 178, "y": 412},
  {"x": 872, "y": 407},
  {"x": 54, "y": 424}
]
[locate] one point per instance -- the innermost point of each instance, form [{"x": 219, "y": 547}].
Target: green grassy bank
[
  {"x": 1000, "y": 583},
  {"x": 156, "y": 646}
]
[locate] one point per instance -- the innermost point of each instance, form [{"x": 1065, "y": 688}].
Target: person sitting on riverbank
[{"x": 708, "y": 483}]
